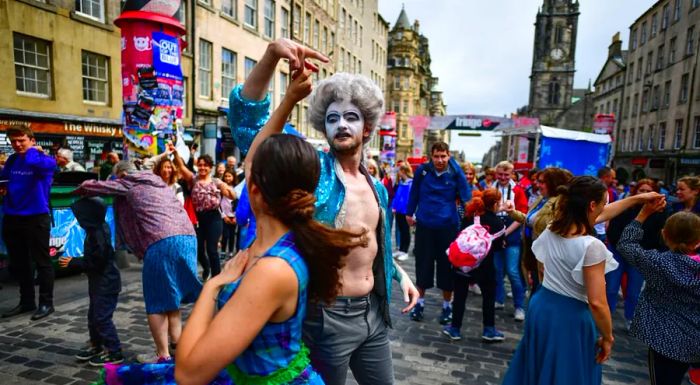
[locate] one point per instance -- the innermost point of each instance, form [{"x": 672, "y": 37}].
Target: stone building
[
  {"x": 609, "y": 85},
  {"x": 659, "y": 135},
  {"x": 411, "y": 88},
  {"x": 61, "y": 70}
]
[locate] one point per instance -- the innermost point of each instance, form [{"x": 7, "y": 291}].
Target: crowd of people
[{"x": 310, "y": 284}]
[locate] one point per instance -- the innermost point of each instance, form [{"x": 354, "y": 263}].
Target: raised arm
[
  {"x": 648, "y": 262},
  {"x": 37, "y": 160},
  {"x": 248, "y": 104},
  {"x": 614, "y": 209}
]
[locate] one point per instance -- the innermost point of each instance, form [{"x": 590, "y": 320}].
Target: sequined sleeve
[{"x": 246, "y": 117}]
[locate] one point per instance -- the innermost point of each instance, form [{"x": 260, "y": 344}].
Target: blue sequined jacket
[{"x": 246, "y": 118}]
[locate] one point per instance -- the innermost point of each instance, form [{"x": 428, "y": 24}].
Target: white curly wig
[{"x": 357, "y": 89}]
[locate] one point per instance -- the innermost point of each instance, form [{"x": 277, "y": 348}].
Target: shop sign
[
  {"x": 603, "y": 123},
  {"x": 67, "y": 128},
  {"x": 640, "y": 161},
  {"x": 690, "y": 161}
]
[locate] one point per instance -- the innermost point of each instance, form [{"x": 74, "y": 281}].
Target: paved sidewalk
[{"x": 42, "y": 352}]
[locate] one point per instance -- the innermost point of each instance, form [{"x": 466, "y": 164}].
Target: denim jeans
[
  {"x": 507, "y": 261},
  {"x": 634, "y": 285}
]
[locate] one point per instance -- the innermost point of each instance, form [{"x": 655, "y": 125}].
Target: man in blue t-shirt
[
  {"x": 25, "y": 185},
  {"x": 437, "y": 187}
]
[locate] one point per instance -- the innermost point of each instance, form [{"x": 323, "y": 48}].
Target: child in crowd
[
  {"x": 667, "y": 317},
  {"x": 104, "y": 282},
  {"x": 228, "y": 213}
]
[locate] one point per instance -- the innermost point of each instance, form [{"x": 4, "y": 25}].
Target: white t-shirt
[
  {"x": 564, "y": 259},
  {"x": 600, "y": 228}
]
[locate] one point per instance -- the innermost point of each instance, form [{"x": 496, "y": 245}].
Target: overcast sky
[{"x": 482, "y": 50}]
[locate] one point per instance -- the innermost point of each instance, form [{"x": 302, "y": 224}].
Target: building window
[
  {"x": 558, "y": 34},
  {"x": 635, "y": 105},
  {"x": 650, "y": 138},
  {"x": 630, "y": 75},
  {"x": 654, "y": 24},
  {"x": 95, "y": 77},
  {"x": 640, "y": 68},
  {"x": 622, "y": 140},
  {"x": 662, "y": 135},
  {"x": 694, "y": 4},
  {"x": 689, "y": 42},
  {"x": 655, "y": 98},
  {"x": 32, "y": 65},
  {"x": 665, "y": 16},
  {"x": 204, "y": 73},
  {"x": 629, "y": 146},
  {"x": 307, "y": 28},
  {"x": 677, "y": 10},
  {"x": 640, "y": 139},
  {"x": 683, "y": 95},
  {"x": 269, "y": 14},
  {"x": 317, "y": 33},
  {"x": 93, "y": 9},
  {"x": 397, "y": 82},
  {"x": 229, "y": 71},
  {"x": 284, "y": 27},
  {"x": 660, "y": 57},
  {"x": 645, "y": 100},
  {"x": 678, "y": 134},
  {"x": 228, "y": 8},
  {"x": 672, "y": 51},
  {"x": 667, "y": 94},
  {"x": 284, "y": 83},
  {"x": 626, "y": 108},
  {"x": 405, "y": 107},
  {"x": 249, "y": 64},
  {"x": 696, "y": 134},
  {"x": 633, "y": 40},
  {"x": 324, "y": 40},
  {"x": 332, "y": 47},
  {"x": 644, "y": 34},
  {"x": 250, "y": 13},
  {"x": 650, "y": 58},
  {"x": 296, "y": 18},
  {"x": 554, "y": 92}
]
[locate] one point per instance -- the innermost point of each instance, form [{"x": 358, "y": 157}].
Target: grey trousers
[{"x": 349, "y": 333}]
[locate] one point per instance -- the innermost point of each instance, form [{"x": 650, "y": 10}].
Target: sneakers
[
  {"x": 417, "y": 313},
  {"x": 499, "y": 305},
  {"x": 446, "y": 315},
  {"x": 475, "y": 289},
  {"x": 492, "y": 335},
  {"x": 151, "y": 358},
  {"x": 452, "y": 333},
  {"x": 402, "y": 256},
  {"x": 519, "y": 315},
  {"x": 694, "y": 375},
  {"x": 107, "y": 358},
  {"x": 88, "y": 353}
]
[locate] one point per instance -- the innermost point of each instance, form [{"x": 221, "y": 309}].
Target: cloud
[{"x": 482, "y": 50}]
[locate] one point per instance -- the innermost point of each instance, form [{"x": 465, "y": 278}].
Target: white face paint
[{"x": 344, "y": 125}]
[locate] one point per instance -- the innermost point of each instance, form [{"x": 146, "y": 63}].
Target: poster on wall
[
  {"x": 419, "y": 124},
  {"x": 388, "y": 153}
]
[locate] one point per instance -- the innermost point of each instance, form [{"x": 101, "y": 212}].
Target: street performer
[{"x": 351, "y": 331}]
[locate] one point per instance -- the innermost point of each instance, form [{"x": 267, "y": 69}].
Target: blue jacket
[
  {"x": 29, "y": 179},
  {"x": 246, "y": 118},
  {"x": 400, "y": 202},
  {"x": 435, "y": 196},
  {"x": 667, "y": 317}
]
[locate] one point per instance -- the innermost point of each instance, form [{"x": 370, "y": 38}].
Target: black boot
[
  {"x": 42, "y": 312},
  {"x": 19, "y": 309}
]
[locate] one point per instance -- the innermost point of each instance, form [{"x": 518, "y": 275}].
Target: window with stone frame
[
  {"x": 269, "y": 11},
  {"x": 696, "y": 134},
  {"x": 672, "y": 50},
  {"x": 677, "y": 5},
  {"x": 93, "y": 9},
  {"x": 229, "y": 8},
  {"x": 250, "y": 13},
  {"x": 32, "y": 59},
  {"x": 683, "y": 94},
  {"x": 665, "y": 16},
  {"x": 554, "y": 92},
  {"x": 690, "y": 41},
  {"x": 667, "y": 95},
  {"x": 660, "y": 57},
  {"x": 205, "y": 68},
  {"x": 662, "y": 136},
  {"x": 229, "y": 72},
  {"x": 633, "y": 40},
  {"x": 284, "y": 22},
  {"x": 635, "y": 105},
  {"x": 95, "y": 70},
  {"x": 643, "y": 38},
  {"x": 655, "y": 98},
  {"x": 650, "y": 138},
  {"x": 654, "y": 24},
  {"x": 640, "y": 139},
  {"x": 678, "y": 134}
]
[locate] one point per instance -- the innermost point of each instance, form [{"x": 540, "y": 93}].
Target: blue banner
[
  {"x": 578, "y": 156},
  {"x": 166, "y": 56}
]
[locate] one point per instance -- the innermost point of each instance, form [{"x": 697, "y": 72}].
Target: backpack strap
[
  {"x": 477, "y": 220},
  {"x": 498, "y": 234}
]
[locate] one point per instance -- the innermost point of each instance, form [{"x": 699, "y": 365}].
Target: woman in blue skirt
[{"x": 568, "y": 329}]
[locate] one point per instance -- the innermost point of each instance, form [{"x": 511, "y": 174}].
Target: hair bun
[
  {"x": 563, "y": 190},
  {"x": 298, "y": 205}
]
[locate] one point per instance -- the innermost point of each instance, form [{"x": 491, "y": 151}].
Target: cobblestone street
[{"x": 42, "y": 352}]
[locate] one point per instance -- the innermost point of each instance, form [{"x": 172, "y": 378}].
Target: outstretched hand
[
  {"x": 296, "y": 54},
  {"x": 301, "y": 85}
]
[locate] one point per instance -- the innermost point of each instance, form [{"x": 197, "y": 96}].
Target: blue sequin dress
[{"x": 275, "y": 357}]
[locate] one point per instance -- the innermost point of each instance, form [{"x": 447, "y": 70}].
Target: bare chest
[{"x": 361, "y": 207}]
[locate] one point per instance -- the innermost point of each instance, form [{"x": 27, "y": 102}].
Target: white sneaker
[
  {"x": 150, "y": 358},
  {"x": 396, "y": 253},
  {"x": 402, "y": 256},
  {"x": 499, "y": 305},
  {"x": 519, "y": 315},
  {"x": 509, "y": 294},
  {"x": 475, "y": 289}
]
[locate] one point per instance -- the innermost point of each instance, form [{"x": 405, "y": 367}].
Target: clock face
[{"x": 557, "y": 54}]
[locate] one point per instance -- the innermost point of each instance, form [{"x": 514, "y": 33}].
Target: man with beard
[{"x": 351, "y": 332}]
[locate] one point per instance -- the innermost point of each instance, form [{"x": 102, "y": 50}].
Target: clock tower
[{"x": 553, "y": 60}]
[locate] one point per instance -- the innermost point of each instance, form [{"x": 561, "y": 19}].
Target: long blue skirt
[
  {"x": 170, "y": 274},
  {"x": 558, "y": 345}
]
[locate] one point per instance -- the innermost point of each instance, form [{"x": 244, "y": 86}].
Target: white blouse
[{"x": 564, "y": 259}]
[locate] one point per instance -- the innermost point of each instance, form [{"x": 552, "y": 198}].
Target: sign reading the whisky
[{"x": 68, "y": 128}]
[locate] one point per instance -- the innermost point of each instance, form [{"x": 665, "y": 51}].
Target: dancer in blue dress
[{"x": 255, "y": 337}]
